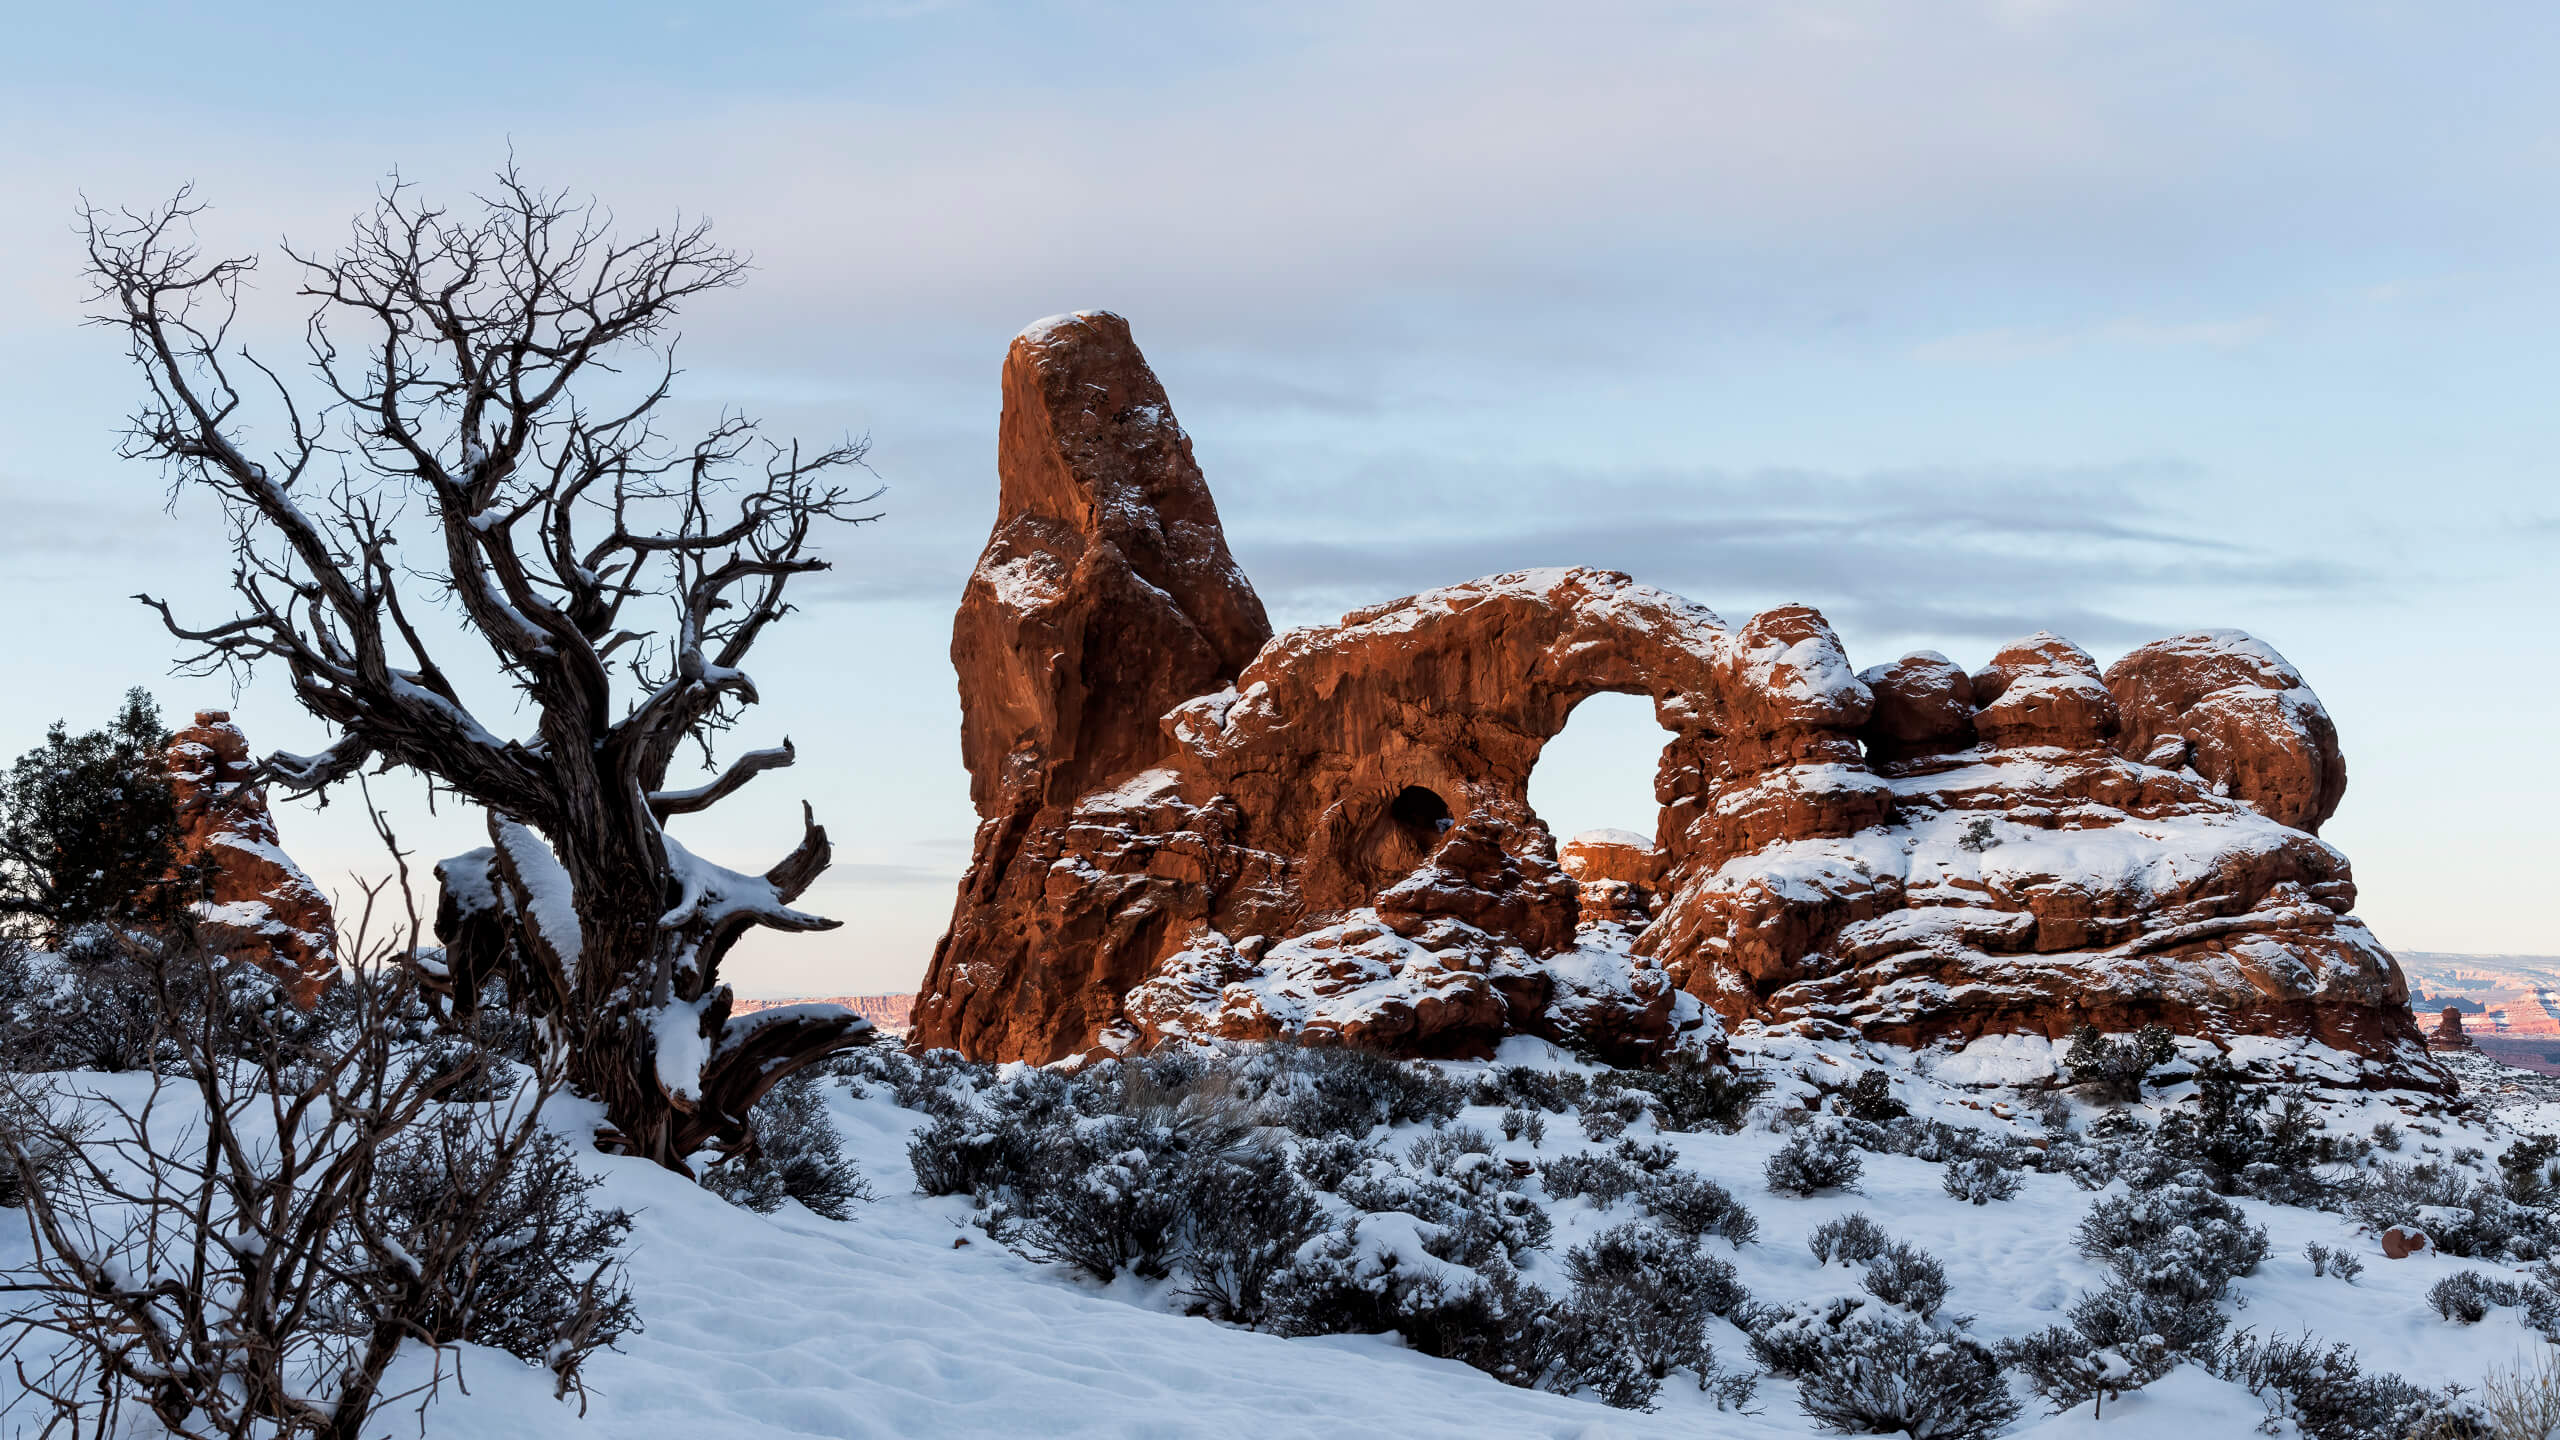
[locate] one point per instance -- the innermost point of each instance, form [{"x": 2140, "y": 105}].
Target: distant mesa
[
  {"x": 1192, "y": 829},
  {"x": 888, "y": 1012}
]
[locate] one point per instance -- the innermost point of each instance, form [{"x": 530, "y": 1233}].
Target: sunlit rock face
[
  {"x": 1191, "y": 829},
  {"x": 260, "y": 907}
]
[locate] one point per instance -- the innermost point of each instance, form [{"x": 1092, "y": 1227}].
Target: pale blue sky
[{"x": 1956, "y": 320}]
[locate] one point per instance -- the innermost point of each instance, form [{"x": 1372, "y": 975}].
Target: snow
[
  {"x": 681, "y": 1047},
  {"x": 551, "y": 902},
  {"x": 1612, "y": 837},
  {"x": 909, "y": 1321}
]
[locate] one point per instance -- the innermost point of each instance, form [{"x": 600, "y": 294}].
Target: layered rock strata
[
  {"x": 1192, "y": 830},
  {"x": 258, "y": 904}
]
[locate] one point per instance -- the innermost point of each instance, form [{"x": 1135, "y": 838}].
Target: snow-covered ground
[{"x": 909, "y": 1321}]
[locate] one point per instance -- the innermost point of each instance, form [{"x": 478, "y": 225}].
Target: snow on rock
[{"x": 260, "y": 907}]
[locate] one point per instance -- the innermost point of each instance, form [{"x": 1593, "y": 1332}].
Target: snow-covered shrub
[
  {"x": 1689, "y": 1093},
  {"x": 1814, "y": 1160},
  {"x": 1100, "y": 1194},
  {"x": 2115, "y": 1069},
  {"x": 2052, "y": 1111},
  {"x": 38, "y": 1140},
  {"x": 545, "y": 1284},
  {"x": 2178, "y": 1240},
  {"x": 2119, "y": 1340},
  {"x": 1979, "y": 1181},
  {"x": 1895, "y": 1376},
  {"x": 797, "y": 1156},
  {"x": 2340, "y": 1262},
  {"x": 2530, "y": 1170},
  {"x": 1644, "y": 1294},
  {"x": 1324, "y": 1161},
  {"x": 1607, "y": 1112},
  {"x": 2327, "y": 1395},
  {"x": 1871, "y": 1099},
  {"x": 2229, "y": 1137},
  {"x": 2386, "y": 1136},
  {"x": 1604, "y": 1179},
  {"x": 1648, "y": 1158},
  {"x": 2466, "y": 1297},
  {"x": 1935, "y": 1141},
  {"x": 1372, "y": 1277},
  {"x": 1552, "y": 1092},
  {"x": 1245, "y": 1219},
  {"x": 1850, "y": 1239},
  {"x": 1331, "y": 1090},
  {"x": 2462, "y": 1217},
  {"x": 1468, "y": 1199},
  {"x": 963, "y": 1153},
  {"x": 1909, "y": 1278},
  {"x": 1792, "y": 1339},
  {"x": 105, "y": 1010},
  {"x": 1515, "y": 1122},
  {"x": 1692, "y": 1205}
]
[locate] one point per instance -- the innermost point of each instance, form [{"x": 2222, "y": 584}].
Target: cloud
[
  {"x": 2010, "y": 344},
  {"x": 1984, "y": 555}
]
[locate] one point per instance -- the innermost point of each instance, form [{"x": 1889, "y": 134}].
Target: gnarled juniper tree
[{"x": 483, "y": 425}]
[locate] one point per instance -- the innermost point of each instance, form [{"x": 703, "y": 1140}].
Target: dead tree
[{"x": 489, "y": 387}]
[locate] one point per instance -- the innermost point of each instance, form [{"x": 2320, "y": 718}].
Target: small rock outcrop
[
  {"x": 1193, "y": 830},
  {"x": 259, "y": 906},
  {"x": 2448, "y": 1034}
]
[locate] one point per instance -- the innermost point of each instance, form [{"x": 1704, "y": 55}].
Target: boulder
[
  {"x": 1923, "y": 707},
  {"x": 2043, "y": 691},
  {"x": 259, "y": 906},
  {"x": 2224, "y": 704},
  {"x": 1598, "y": 855}
]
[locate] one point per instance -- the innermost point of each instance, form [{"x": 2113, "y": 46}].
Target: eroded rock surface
[
  {"x": 1191, "y": 830},
  {"x": 260, "y": 907}
]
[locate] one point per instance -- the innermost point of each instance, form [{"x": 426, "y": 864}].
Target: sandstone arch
[{"x": 1193, "y": 829}]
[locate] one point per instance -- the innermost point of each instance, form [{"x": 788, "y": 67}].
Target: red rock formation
[
  {"x": 1599, "y": 855},
  {"x": 2448, "y": 1032},
  {"x": 260, "y": 907},
  {"x": 1105, "y": 597},
  {"x": 1330, "y": 836},
  {"x": 2228, "y": 706},
  {"x": 1923, "y": 706},
  {"x": 1614, "y": 872}
]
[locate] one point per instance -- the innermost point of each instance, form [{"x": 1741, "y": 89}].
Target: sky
[{"x": 1957, "y": 321}]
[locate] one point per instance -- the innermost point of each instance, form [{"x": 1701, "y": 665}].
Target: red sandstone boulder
[
  {"x": 2227, "y": 705},
  {"x": 1923, "y": 706},
  {"x": 1614, "y": 872},
  {"x": 2045, "y": 691},
  {"x": 260, "y": 906},
  {"x": 1601, "y": 855}
]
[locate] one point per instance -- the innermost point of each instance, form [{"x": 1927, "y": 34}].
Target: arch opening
[{"x": 1597, "y": 773}]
